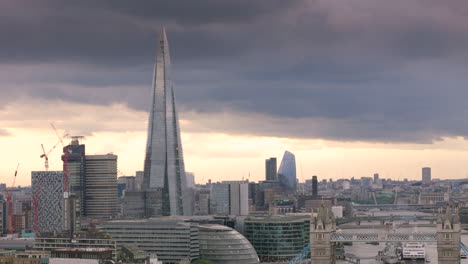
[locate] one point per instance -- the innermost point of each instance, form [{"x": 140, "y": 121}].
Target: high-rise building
[
  {"x": 230, "y": 198},
  {"x": 129, "y": 182},
  {"x": 270, "y": 169},
  {"x": 74, "y": 163},
  {"x": 47, "y": 191},
  {"x": 164, "y": 162},
  {"x": 314, "y": 186},
  {"x": 287, "y": 172},
  {"x": 376, "y": 178},
  {"x": 138, "y": 180},
  {"x": 101, "y": 186},
  {"x": 190, "y": 179},
  {"x": 426, "y": 175},
  {"x": 366, "y": 181}
]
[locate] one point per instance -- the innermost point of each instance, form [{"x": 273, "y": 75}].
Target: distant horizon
[{"x": 350, "y": 88}]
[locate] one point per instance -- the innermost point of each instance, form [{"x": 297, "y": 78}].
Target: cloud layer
[{"x": 389, "y": 71}]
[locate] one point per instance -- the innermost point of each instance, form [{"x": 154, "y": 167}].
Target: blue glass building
[{"x": 287, "y": 172}]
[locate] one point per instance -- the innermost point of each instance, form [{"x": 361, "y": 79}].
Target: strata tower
[{"x": 164, "y": 174}]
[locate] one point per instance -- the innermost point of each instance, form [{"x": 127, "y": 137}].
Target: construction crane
[
  {"x": 65, "y": 161},
  {"x": 9, "y": 193},
  {"x": 45, "y": 154}
]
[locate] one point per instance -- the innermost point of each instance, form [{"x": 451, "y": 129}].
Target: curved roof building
[
  {"x": 287, "y": 172},
  {"x": 224, "y": 245}
]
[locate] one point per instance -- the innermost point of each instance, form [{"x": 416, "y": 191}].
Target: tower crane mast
[{"x": 9, "y": 193}]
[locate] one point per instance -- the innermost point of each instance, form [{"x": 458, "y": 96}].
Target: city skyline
[{"x": 389, "y": 101}]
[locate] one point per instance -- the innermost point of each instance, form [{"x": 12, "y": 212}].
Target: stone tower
[
  {"x": 448, "y": 237},
  {"x": 322, "y": 226}
]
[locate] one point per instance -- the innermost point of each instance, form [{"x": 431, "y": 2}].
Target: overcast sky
[{"x": 317, "y": 77}]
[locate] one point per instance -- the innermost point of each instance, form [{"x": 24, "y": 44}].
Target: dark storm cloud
[{"x": 362, "y": 70}]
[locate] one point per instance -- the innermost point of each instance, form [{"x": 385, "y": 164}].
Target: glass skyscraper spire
[{"x": 164, "y": 164}]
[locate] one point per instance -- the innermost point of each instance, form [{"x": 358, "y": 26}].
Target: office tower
[
  {"x": 138, "y": 180},
  {"x": 190, "y": 179},
  {"x": 101, "y": 186},
  {"x": 230, "y": 198},
  {"x": 314, "y": 186},
  {"x": 366, "y": 181},
  {"x": 287, "y": 172},
  {"x": 270, "y": 169},
  {"x": 164, "y": 162},
  {"x": 74, "y": 162},
  {"x": 426, "y": 175},
  {"x": 376, "y": 178},
  {"x": 48, "y": 207},
  {"x": 129, "y": 182},
  {"x": 202, "y": 202}
]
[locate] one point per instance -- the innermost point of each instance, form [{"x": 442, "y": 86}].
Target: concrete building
[
  {"x": 346, "y": 185},
  {"x": 171, "y": 239},
  {"x": 230, "y": 198},
  {"x": 47, "y": 191},
  {"x": 101, "y": 186},
  {"x": 133, "y": 205},
  {"x": 366, "y": 181},
  {"x": 190, "y": 179},
  {"x": 426, "y": 175},
  {"x": 433, "y": 197},
  {"x": 337, "y": 211},
  {"x": 164, "y": 163},
  {"x": 176, "y": 239},
  {"x": 270, "y": 169},
  {"x": 376, "y": 178},
  {"x": 138, "y": 180},
  {"x": 129, "y": 181},
  {"x": 202, "y": 202}
]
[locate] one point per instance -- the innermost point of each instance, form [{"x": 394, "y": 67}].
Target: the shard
[{"x": 164, "y": 179}]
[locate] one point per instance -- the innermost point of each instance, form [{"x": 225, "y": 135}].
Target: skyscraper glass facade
[
  {"x": 164, "y": 163},
  {"x": 287, "y": 172}
]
